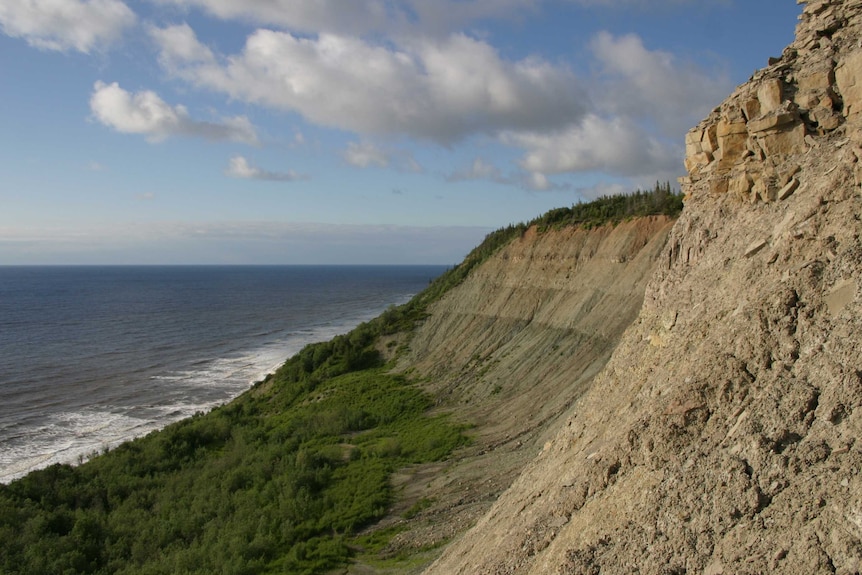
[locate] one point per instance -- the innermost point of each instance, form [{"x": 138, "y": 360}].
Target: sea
[{"x": 94, "y": 356}]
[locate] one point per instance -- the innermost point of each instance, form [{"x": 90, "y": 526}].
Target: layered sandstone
[
  {"x": 723, "y": 434},
  {"x": 749, "y": 146},
  {"x": 510, "y": 349}
]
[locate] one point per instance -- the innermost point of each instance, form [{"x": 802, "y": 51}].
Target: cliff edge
[{"x": 722, "y": 435}]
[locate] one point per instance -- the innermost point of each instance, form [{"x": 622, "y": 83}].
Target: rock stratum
[
  {"x": 510, "y": 349},
  {"x": 722, "y": 436}
]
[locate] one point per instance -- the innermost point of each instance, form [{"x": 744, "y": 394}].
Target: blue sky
[{"x": 327, "y": 131}]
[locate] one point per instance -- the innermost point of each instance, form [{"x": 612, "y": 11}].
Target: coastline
[
  {"x": 76, "y": 454},
  {"x": 74, "y": 435}
]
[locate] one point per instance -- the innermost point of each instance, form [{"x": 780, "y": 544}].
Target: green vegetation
[
  {"x": 281, "y": 479},
  {"x": 661, "y": 200},
  {"x": 275, "y": 483},
  {"x": 417, "y": 508}
]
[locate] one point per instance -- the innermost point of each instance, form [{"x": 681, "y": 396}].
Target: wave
[{"x": 72, "y": 437}]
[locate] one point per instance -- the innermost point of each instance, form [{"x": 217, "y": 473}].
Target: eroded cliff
[
  {"x": 510, "y": 349},
  {"x": 722, "y": 435}
]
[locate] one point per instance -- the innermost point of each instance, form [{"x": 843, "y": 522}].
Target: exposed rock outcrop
[
  {"x": 511, "y": 348},
  {"x": 723, "y": 434},
  {"x": 748, "y": 145}
]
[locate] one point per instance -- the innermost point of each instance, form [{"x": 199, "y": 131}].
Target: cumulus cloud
[
  {"x": 614, "y": 146},
  {"x": 365, "y": 154},
  {"x": 147, "y": 114},
  {"x": 438, "y": 90},
  {"x": 240, "y": 168},
  {"x": 180, "y": 45},
  {"x": 445, "y": 16},
  {"x": 63, "y": 25},
  {"x": 646, "y": 4},
  {"x": 626, "y": 121},
  {"x": 654, "y": 84}
]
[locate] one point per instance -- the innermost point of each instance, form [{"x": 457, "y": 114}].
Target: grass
[{"x": 258, "y": 486}]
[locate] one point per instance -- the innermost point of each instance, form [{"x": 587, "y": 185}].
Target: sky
[{"x": 344, "y": 131}]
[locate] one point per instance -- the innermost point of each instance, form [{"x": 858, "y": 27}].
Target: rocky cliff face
[
  {"x": 511, "y": 348},
  {"x": 723, "y": 434}
]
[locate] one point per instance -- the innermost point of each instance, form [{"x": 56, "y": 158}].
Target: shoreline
[{"x": 78, "y": 453}]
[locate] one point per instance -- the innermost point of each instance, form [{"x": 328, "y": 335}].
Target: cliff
[
  {"x": 510, "y": 349},
  {"x": 721, "y": 437}
]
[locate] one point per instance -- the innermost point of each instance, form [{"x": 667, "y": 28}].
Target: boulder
[
  {"x": 718, "y": 186},
  {"x": 709, "y": 139},
  {"x": 770, "y": 95},
  {"x": 783, "y": 142},
  {"x": 726, "y": 128},
  {"x": 692, "y": 143},
  {"x": 820, "y": 79},
  {"x": 826, "y": 119},
  {"x": 741, "y": 185},
  {"x": 732, "y": 141},
  {"x": 770, "y": 122},
  {"x": 788, "y": 189},
  {"x": 751, "y": 109},
  {"x": 697, "y": 160},
  {"x": 848, "y": 78}
]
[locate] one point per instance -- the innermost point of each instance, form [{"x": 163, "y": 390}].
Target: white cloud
[
  {"x": 180, "y": 45},
  {"x": 62, "y": 25},
  {"x": 645, "y": 4},
  {"x": 654, "y": 85},
  {"x": 605, "y": 189},
  {"x": 240, "y": 168},
  {"x": 365, "y": 154},
  {"x": 538, "y": 181},
  {"x": 354, "y": 17},
  {"x": 627, "y": 121},
  {"x": 438, "y": 90},
  {"x": 147, "y": 114},
  {"x": 614, "y": 146}
]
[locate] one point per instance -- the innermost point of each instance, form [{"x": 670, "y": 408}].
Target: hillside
[
  {"x": 722, "y": 435},
  {"x": 511, "y": 348},
  {"x": 372, "y": 450}
]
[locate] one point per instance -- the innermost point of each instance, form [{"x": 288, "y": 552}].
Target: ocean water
[{"x": 93, "y": 356}]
